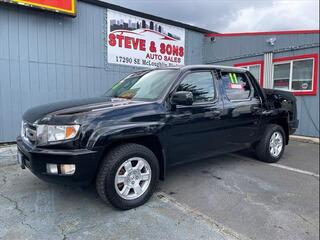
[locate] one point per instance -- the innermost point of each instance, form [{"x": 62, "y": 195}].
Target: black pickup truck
[{"x": 125, "y": 140}]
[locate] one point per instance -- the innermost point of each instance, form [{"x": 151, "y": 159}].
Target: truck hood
[{"x": 74, "y": 107}]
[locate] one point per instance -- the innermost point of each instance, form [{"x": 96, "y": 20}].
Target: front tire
[
  {"x": 271, "y": 146},
  {"x": 127, "y": 176}
]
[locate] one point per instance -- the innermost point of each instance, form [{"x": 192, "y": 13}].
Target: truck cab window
[
  {"x": 200, "y": 84},
  {"x": 236, "y": 86}
]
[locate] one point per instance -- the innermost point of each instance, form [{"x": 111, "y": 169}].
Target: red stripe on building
[{"x": 262, "y": 33}]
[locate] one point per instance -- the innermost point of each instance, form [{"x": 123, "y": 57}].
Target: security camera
[{"x": 271, "y": 41}]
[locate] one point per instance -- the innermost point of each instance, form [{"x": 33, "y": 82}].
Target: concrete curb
[{"x": 304, "y": 139}]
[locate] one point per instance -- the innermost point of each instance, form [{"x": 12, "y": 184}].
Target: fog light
[
  {"x": 52, "y": 168},
  {"x": 67, "y": 169}
]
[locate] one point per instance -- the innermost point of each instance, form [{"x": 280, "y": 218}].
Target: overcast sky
[{"x": 233, "y": 15}]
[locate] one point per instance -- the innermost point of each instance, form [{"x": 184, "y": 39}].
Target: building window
[
  {"x": 302, "y": 75},
  {"x": 256, "y": 69},
  {"x": 281, "y": 76},
  {"x": 297, "y": 74}
]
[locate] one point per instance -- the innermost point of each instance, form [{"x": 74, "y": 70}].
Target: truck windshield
[{"x": 147, "y": 85}]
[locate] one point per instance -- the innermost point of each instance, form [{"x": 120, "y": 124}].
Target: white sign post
[{"x": 136, "y": 41}]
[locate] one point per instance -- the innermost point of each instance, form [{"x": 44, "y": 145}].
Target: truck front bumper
[{"x": 36, "y": 159}]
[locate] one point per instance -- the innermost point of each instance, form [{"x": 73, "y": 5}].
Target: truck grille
[{"x": 29, "y": 132}]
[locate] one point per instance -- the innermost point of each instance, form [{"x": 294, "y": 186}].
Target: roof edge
[
  {"x": 262, "y": 33},
  {"x": 148, "y": 16}
]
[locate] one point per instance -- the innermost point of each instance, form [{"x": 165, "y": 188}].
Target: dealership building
[{"x": 79, "y": 49}]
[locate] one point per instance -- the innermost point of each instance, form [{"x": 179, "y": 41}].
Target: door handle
[{"x": 217, "y": 112}]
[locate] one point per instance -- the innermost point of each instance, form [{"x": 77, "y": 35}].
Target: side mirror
[{"x": 182, "y": 98}]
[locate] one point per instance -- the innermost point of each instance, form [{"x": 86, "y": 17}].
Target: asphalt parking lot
[{"x": 231, "y": 196}]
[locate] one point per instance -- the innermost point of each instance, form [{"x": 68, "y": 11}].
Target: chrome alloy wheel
[
  {"x": 276, "y": 144},
  {"x": 133, "y": 178}
]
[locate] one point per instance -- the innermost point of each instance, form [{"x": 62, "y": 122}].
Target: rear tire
[
  {"x": 272, "y": 144},
  {"x": 124, "y": 184}
]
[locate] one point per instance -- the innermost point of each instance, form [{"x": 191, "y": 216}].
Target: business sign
[
  {"x": 136, "y": 41},
  {"x": 60, "y": 6}
]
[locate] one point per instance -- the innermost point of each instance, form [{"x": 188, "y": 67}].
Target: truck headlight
[{"x": 56, "y": 133}]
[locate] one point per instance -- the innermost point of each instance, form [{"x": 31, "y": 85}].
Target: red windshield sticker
[{"x": 235, "y": 86}]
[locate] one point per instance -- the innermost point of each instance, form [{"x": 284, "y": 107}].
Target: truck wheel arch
[
  {"x": 151, "y": 141},
  {"x": 283, "y": 122}
]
